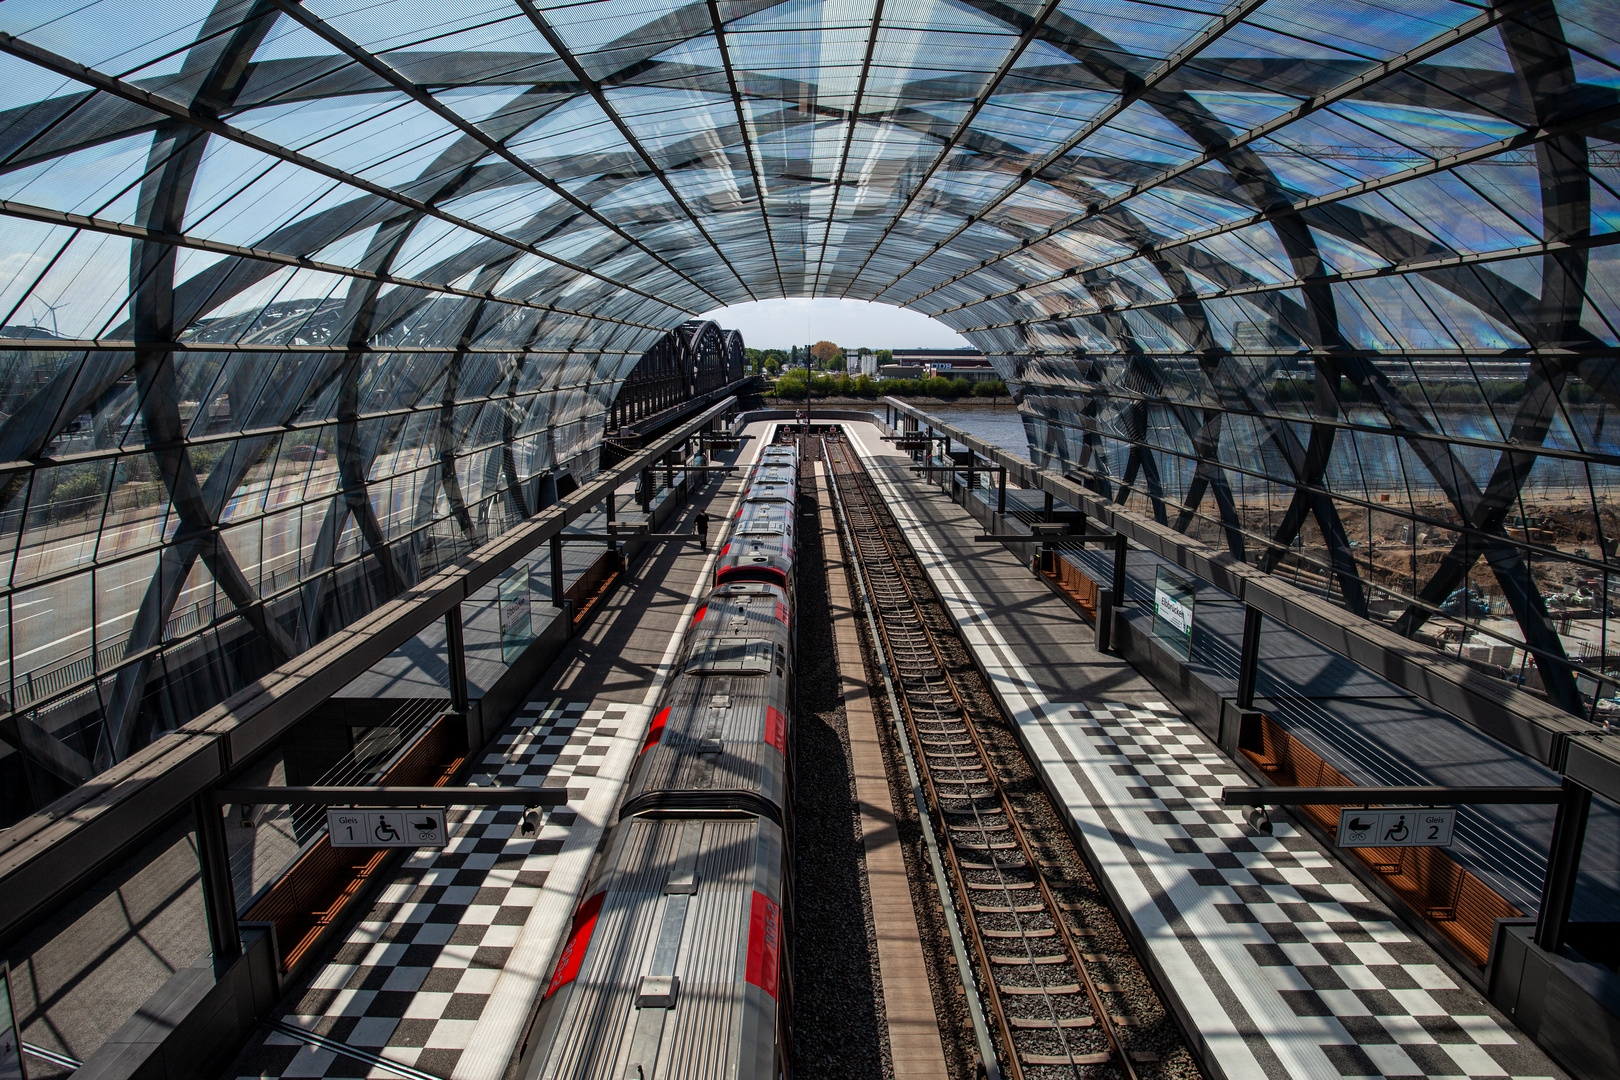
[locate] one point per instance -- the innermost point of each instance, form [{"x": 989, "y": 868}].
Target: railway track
[{"x": 1052, "y": 1014}]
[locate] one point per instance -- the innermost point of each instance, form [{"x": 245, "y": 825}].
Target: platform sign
[
  {"x": 387, "y": 828},
  {"x": 517, "y": 628},
  {"x": 1402, "y": 826},
  {"x": 11, "y": 1058},
  {"x": 1173, "y": 600}
]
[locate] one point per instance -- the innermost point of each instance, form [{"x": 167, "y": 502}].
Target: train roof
[{"x": 675, "y": 960}]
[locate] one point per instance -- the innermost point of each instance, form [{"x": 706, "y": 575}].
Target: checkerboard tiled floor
[
  {"x": 1286, "y": 968},
  {"x": 1372, "y": 1000},
  {"x": 416, "y": 973}
]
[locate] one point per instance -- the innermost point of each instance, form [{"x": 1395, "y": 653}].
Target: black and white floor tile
[{"x": 420, "y": 976}]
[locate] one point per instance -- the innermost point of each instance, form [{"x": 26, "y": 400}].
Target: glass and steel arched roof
[{"x": 433, "y": 239}]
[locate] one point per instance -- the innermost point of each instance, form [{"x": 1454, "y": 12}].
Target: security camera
[
  {"x": 1260, "y": 820},
  {"x": 246, "y": 820},
  {"x": 531, "y": 821}
]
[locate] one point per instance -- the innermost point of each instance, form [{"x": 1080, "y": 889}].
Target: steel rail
[
  {"x": 932, "y": 697},
  {"x": 987, "y": 1053}
]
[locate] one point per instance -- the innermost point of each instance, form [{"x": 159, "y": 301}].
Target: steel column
[
  {"x": 1249, "y": 659},
  {"x": 1120, "y": 548},
  {"x": 1563, "y": 866},
  {"x": 214, "y": 870},
  {"x": 456, "y": 655},
  {"x": 556, "y": 571}
]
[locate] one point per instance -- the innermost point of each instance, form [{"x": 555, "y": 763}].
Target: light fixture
[{"x": 1260, "y": 820}]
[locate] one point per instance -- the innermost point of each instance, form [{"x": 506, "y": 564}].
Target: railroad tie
[
  {"x": 1045, "y": 1024},
  {"x": 1025, "y": 961},
  {"x": 1066, "y": 1059}
]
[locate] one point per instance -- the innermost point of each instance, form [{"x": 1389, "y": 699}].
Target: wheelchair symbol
[
  {"x": 1399, "y": 832},
  {"x": 385, "y": 831}
]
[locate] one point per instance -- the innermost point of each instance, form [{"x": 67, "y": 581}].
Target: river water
[
  {"x": 998, "y": 425},
  {"x": 1365, "y": 462}
]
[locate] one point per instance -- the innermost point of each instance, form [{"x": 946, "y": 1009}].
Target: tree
[
  {"x": 885, "y": 356},
  {"x": 773, "y": 365},
  {"x": 824, "y": 351},
  {"x": 990, "y": 388}
]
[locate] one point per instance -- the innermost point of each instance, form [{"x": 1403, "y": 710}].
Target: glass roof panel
[{"x": 1399, "y": 220}]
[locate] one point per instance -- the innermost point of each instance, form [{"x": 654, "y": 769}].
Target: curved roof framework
[{"x": 294, "y": 287}]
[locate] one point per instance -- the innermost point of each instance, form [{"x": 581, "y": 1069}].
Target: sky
[{"x": 779, "y": 324}]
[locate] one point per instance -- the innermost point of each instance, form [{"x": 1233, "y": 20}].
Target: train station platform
[
  {"x": 440, "y": 973},
  {"x": 1277, "y": 960}
]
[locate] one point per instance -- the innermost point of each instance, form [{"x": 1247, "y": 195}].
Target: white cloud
[{"x": 778, "y": 324}]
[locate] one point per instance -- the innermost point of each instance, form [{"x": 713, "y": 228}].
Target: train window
[{"x": 733, "y": 655}]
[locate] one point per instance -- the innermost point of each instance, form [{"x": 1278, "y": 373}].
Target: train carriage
[
  {"x": 721, "y": 736},
  {"x": 758, "y": 551},
  {"x": 676, "y": 963}
]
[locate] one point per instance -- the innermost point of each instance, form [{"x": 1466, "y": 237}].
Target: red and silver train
[{"x": 676, "y": 965}]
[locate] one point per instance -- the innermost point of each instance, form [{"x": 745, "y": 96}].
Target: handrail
[{"x": 1520, "y": 720}]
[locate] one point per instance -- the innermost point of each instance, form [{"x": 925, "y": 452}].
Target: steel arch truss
[{"x": 309, "y": 303}]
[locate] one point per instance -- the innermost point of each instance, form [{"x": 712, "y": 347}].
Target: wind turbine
[{"x": 51, "y": 308}]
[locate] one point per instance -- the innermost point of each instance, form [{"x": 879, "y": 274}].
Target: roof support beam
[
  {"x": 1412, "y": 266},
  {"x": 598, "y": 95},
  {"x": 1349, "y": 88},
  {"x": 299, "y": 262},
  {"x": 963, "y": 126},
  {"x": 374, "y": 64},
  {"x": 110, "y": 84}
]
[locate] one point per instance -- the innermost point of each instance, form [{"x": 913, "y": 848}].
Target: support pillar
[
  {"x": 456, "y": 655},
  {"x": 645, "y": 486},
  {"x": 1119, "y": 569},
  {"x": 557, "y": 588},
  {"x": 1249, "y": 657},
  {"x": 1001, "y": 493},
  {"x": 1563, "y": 864},
  {"x": 214, "y": 864},
  {"x": 1049, "y": 506}
]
